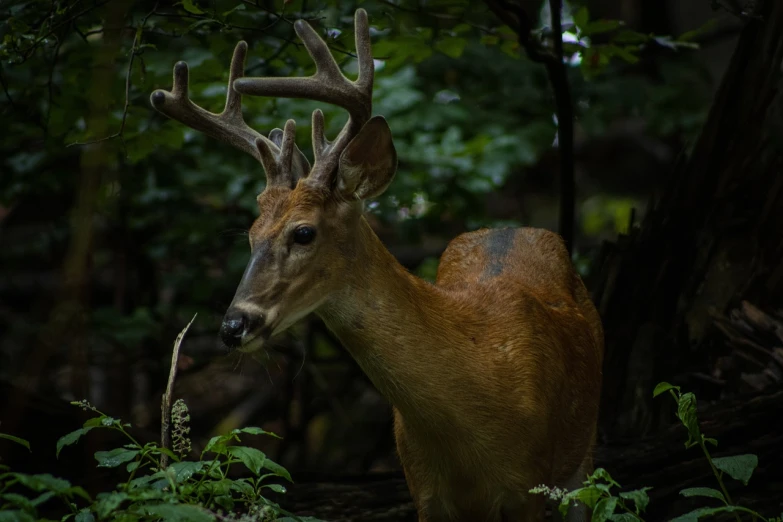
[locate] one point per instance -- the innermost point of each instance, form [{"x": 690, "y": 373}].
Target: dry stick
[{"x": 165, "y": 405}]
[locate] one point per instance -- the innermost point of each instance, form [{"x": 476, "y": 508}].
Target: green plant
[
  {"x": 627, "y": 506},
  {"x": 195, "y": 490},
  {"x": 189, "y": 490}
]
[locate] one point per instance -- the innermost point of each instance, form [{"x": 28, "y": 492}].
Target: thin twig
[{"x": 165, "y": 405}]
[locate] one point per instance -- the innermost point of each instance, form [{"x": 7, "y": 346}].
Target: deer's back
[{"x": 537, "y": 333}]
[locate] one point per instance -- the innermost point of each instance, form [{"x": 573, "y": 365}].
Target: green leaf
[
  {"x": 115, "y": 457},
  {"x": 711, "y": 441},
  {"x": 84, "y": 516},
  {"x": 15, "y": 516},
  {"x": 604, "y": 509},
  {"x": 182, "y": 471},
  {"x": 71, "y": 438},
  {"x": 738, "y": 467},
  {"x": 686, "y": 411},
  {"x": 277, "y": 488},
  {"x": 451, "y": 46},
  {"x": 217, "y": 444},
  {"x": 623, "y": 517},
  {"x": 639, "y": 498},
  {"x": 252, "y": 430},
  {"x": 600, "y": 26},
  {"x": 178, "y": 512},
  {"x": 252, "y": 458},
  {"x": 106, "y": 503},
  {"x": 602, "y": 474},
  {"x": 696, "y": 514},
  {"x": 588, "y": 495},
  {"x": 278, "y": 470},
  {"x": 703, "y": 492},
  {"x": 695, "y": 33},
  {"x": 18, "y": 500},
  {"x": 581, "y": 18},
  {"x": 191, "y": 7},
  {"x": 43, "y": 482},
  {"x": 19, "y": 441},
  {"x": 622, "y": 52}
]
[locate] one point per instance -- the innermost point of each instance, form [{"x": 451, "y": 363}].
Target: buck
[{"x": 494, "y": 371}]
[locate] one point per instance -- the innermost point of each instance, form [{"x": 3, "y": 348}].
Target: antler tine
[
  {"x": 283, "y": 162},
  {"x": 328, "y": 85},
  {"x": 229, "y": 126}
]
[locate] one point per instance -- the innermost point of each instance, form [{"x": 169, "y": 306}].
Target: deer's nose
[{"x": 233, "y": 328}]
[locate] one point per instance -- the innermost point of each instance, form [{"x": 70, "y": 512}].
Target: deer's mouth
[{"x": 255, "y": 340}]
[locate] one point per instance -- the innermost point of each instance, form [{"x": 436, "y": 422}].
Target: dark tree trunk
[{"x": 714, "y": 239}]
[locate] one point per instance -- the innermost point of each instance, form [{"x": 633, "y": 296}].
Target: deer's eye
[{"x": 304, "y": 235}]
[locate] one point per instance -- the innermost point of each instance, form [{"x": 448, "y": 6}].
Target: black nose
[{"x": 233, "y": 327}]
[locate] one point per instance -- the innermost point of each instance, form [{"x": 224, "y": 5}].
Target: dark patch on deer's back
[{"x": 497, "y": 245}]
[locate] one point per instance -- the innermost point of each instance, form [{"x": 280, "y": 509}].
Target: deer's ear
[{"x": 368, "y": 163}]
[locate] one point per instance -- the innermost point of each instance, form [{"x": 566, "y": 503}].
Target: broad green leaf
[
  {"x": 602, "y": 474},
  {"x": 738, "y": 467},
  {"x": 277, "y": 469},
  {"x": 16, "y": 516},
  {"x": 622, "y": 52},
  {"x": 182, "y": 471},
  {"x": 695, "y": 33},
  {"x": 277, "y": 488},
  {"x": 18, "y": 440},
  {"x": 179, "y": 512},
  {"x": 191, "y": 7},
  {"x": 217, "y": 444},
  {"x": 106, "y": 503},
  {"x": 115, "y": 457},
  {"x": 225, "y": 501},
  {"x": 600, "y": 26},
  {"x": 18, "y": 500},
  {"x": 84, "y": 516},
  {"x": 703, "y": 492},
  {"x": 639, "y": 498},
  {"x": 604, "y": 509},
  {"x": 451, "y": 46},
  {"x": 686, "y": 411},
  {"x": 78, "y": 491},
  {"x": 623, "y": 517},
  {"x": 581, "y": 18},
  {"x": 696, "y": 514},
  {"x": 252, "y": 458},
  {"x": 588, "y": 495},
  {"x": 71, "y": 438},
  {"x": 42, "y": 498},
  {"x": 252, "y": 430},
  {"x": 43, "y": 482}
]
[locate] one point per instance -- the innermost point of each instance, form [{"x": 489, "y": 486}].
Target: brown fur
[{"x": 494, "y": 372}]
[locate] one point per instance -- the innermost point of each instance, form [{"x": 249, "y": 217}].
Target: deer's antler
[
  {"x": 283, "y": 162},
  {"x": 328, "y": 85}
]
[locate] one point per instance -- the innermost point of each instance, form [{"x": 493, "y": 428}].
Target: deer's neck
[{"x": 399, "y": 328}]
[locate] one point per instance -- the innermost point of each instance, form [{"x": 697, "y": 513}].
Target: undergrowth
[
  {"x": 187, "y": 490},
  {"x": 600, "y": 490}
]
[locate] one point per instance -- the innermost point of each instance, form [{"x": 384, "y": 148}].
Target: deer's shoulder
[{"x": 533, "y": 257}]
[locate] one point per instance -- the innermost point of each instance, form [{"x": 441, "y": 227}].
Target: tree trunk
[{"x": 714, "y": 239}]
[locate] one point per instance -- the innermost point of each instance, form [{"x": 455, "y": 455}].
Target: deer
[{"x": 493, "y": 371}]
